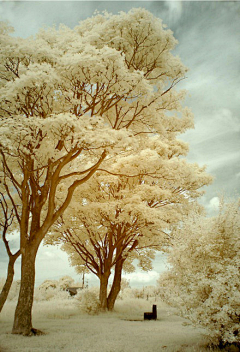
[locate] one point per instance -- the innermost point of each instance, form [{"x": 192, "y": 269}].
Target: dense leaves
[{"x": 203, "y": 279}]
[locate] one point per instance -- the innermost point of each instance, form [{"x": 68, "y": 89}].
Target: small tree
[
  {"x": 7, "y": 216},
  {"x": 204, "y": 275},
  {"x": 115, "y": 220}
]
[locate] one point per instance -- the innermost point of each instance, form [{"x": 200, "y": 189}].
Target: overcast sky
[{"x": 209, "y": 45}]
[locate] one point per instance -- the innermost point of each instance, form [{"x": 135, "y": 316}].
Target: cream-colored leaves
[
  {"x": 203, "y": 281},
  {"x": 141, "y": 37},
  {"x": 32, "y": 94},
  {"x": 97, "y": 79}
]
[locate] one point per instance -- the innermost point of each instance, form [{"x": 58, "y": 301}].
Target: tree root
[
  {"x": 32, "y": 332},
  {"x": 36, "y": 332}
]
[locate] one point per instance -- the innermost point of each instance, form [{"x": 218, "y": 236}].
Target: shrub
[
  {"x": 88, "y": 300},
  {"x": 204, "y": 278},
  {"x": 53, "y": 289}
]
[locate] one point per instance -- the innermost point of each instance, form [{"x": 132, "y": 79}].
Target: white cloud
[
  {"x": 214, "y": 203},
  {"x": 142, "y": 277},
  {"x": 225, "y": 161},
  {"x": 213, "y": 124},
  {"x": 228, "y": 120},
  {"x": 212, "y": 206},
  {"x": 175, "y": 10}
]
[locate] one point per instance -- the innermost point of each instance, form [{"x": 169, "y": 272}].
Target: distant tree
[
  {"x": 53, "y": 289},
  {"x": 65, "y": 282},
  {"x": 204, "y": 276},
  {"x": 46, "y": 284},
  {"x": 69, "y": 101}
]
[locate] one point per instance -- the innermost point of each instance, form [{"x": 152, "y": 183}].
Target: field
[{"x": 68, "y": 328}]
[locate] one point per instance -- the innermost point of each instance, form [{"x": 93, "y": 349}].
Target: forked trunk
[
  {"x": 9, "y": 280},
  {"x": 116, "y": 286},
  {"x": 103, "y": 291},
  {"x": 23, "y": 314}
]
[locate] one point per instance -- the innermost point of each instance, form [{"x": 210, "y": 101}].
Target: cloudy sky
[{"x": 209, "y": 45}]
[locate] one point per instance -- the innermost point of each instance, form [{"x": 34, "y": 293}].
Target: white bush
[
  {"x": 46, "y": 291},
  {"x": 204, "y": 281},
  {"x": 53, "y": 289},
  {"x": 88, "y": 300},
  {"x": 126, "y": 293},
  {"x": 65, "y": 282}
]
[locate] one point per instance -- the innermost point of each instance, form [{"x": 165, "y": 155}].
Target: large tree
[{"x": 69, "y": 99}]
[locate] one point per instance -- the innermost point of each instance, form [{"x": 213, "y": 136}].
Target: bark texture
[
  {"x": 23, "y": 314},
  {"x": 116, "y": 286},
  {"x": 103, "y": 290}
]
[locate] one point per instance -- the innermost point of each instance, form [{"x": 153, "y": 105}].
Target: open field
[{"x": 69, "y": 329}]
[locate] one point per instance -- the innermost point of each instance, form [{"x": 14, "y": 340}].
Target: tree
[
  {"x": 203, "y": 279},
  {"x": 70, "y": 99},
  {"x": 6, "y": 223},
  {"x": 114, "y": 220},
  {"x": 101, "y": 230}
]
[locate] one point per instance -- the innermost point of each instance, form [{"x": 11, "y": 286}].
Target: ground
[{"x": 69, "y": 329}]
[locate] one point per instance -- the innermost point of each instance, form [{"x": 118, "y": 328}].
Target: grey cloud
[
  {"x": 208, "y": 35},
  {"x": 28, "y": 16}
]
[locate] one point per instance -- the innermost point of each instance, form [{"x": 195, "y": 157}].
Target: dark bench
[{"x": 151, "y": 315}]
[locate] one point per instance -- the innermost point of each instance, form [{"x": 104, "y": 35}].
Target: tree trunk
[
  {"x": 9, "y": 280},
  {"x": 23, "y": 314},
  {"x": 116, "y": 286},
  {"x": 103, "y": 291}
]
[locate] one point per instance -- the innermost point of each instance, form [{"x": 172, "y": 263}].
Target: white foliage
[
  {"x": 88, "y": 300},
  {"x": 53, "y": 289},
  {"x": 65, "y": 282},
  {"x": 145, "y": 292},
  {"x": 203, "y": 281},
  {"x": 105, "y": 86}
]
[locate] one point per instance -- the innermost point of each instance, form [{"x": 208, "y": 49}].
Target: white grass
[{"x": 69, "y": 329}]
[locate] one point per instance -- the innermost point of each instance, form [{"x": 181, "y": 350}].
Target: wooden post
[{"x": 154, "y": 309}]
